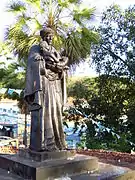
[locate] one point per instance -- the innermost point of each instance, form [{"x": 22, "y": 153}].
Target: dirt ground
[{"x": 113, "y": 158}]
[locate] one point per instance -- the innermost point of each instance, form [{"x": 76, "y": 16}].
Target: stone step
[
  {"x": 45, "y": 155},
  {"x": 78, "y": 167},
  {"x": 29, "y": 169},
  {"x": 106, "y": 172}
]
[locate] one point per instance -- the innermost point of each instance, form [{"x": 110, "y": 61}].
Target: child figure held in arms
[{"x": 52, "y": 58}]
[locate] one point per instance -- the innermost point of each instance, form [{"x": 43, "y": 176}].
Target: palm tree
[{"x": 68, "y": 19}]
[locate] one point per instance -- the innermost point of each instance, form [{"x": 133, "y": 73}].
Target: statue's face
[{"x": 49, "y": 38}]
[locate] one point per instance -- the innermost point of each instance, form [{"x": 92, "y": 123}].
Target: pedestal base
[
  {"x": 45, "y": 155},
  {"x": 51, "y": 169}
]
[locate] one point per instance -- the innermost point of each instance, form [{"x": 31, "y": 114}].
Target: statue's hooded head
[{"x": 47, "y": 34}]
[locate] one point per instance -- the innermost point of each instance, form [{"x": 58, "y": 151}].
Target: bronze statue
[{"x": 44, "y": 94}]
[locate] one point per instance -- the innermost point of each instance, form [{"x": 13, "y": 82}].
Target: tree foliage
[
  {"x": 68, "y": 19},
  {"x": 108, "y": 111},
  {"x": 82, "y": 88},
  {"x": 13, "y": 75},
  {"x": 115, "y": 54}
]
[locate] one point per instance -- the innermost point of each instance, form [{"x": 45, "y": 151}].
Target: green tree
[
  {"x": 113, "y": 99},
  {"x": 2, "y": 72},
  {"x": 115, "y": 54},
  {"x": 82, "y": 88},
  {"x": 68, "y": 19},
  {"x": 13, "y": 75},
  {"x": 110, "y": 103}
]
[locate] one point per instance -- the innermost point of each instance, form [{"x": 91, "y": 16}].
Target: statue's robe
[{"x": 44, "y": 88}]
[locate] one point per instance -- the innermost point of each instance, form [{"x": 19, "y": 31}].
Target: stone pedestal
[
  {"x": 47, "y": 165},
  {"x": 42, "y": 156}
]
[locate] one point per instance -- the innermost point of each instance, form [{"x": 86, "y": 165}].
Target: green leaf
[
  {"x": 74, "y": 1},
  {"x": 34, "y": 3},
  {"x": 84, "y": 14},
  {"x": 63, "y": 3},
  {"x": 16, "y": 7}
]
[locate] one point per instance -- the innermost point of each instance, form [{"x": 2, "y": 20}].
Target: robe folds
[{"x": 44, "y": 89}]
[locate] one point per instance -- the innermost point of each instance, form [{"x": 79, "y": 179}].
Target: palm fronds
[
  {"x": 77, "y": 43},
  {"x": 16, "y": 7},
  {"x": 82, "y": 15}
]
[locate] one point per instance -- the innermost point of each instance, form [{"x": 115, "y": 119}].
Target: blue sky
[{"x": 6, "y": 19}]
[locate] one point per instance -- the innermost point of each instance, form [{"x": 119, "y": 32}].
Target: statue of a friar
[{"x": 44, "y": 94}]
